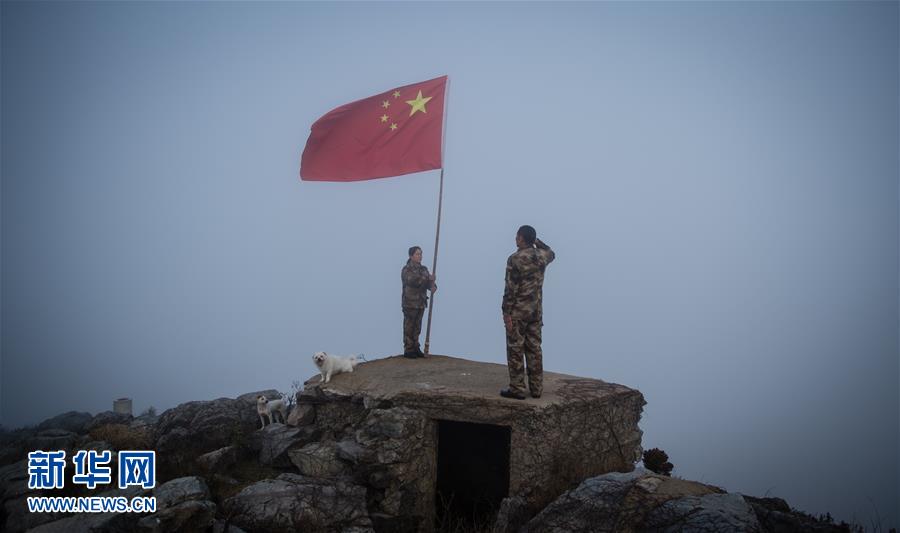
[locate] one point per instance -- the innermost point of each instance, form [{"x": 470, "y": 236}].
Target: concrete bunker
[{"x": 417, "y": 432}]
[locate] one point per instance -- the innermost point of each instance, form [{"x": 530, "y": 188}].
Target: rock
[
  {"x": 94, "y": 522},
  {"x": 53, "y": 439},
  {"x": 74, "y": 421},
  {"x": 302, "y": 414},
  {"x": 641, "y": 500},
  {"x": 145, "y": 421},
  {"x": 353, "y": 452},
  {"x": 776, "y": 516},
  {"x": 299, "y": 503},
  {"x": 318, "y": 460},
  {"x": 222, "y": 526},
  {"x": 220, "y": 459},
  {"x": 97, "y": 445},
  {"x": 713, "y": 512},
  {"x": 180, "y": 490},
  {"x": 252, "y": 396},
  {"x": 14, "y": 480},
  {"x": 511, "y": 516},
  {"x": 192, "y": 429},
  {"x": 19, "y": 519},
  {"x": 276, "y": 440},
  {"x": 107, "y": 417},
  {"x": 188, "y": 516}
]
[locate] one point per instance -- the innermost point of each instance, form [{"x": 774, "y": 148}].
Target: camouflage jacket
[
  {"x": 415, "y": 285},
  {"x": 525, "y": 281}
]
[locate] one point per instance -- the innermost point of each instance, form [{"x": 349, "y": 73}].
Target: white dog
[
  {"x": 331, "y": 365},
  {"x": 267, "y": 408}
]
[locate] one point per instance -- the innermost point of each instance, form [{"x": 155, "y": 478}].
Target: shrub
[
  {"x": 656, "y": 460},
  {"x": 123, "y": 437}
]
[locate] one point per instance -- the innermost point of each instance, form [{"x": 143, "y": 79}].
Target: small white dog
[
  {"x": 331, "y": 365},
  {"x": 267, "y": 408}
]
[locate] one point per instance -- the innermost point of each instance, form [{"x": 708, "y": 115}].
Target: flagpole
[
  {"x": 437, "y": 238},
  {"x": 437, "y": 232}
]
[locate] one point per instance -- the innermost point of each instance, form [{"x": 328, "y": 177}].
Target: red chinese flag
[{"x": 393, "y": 133}]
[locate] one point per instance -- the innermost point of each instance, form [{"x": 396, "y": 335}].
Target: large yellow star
[{"x": 418, "y": 104}]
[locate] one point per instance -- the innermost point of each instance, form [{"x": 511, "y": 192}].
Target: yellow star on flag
[
  {"x": 384, "y": 118},
  {"x": 418, "y": 104},
  {"x": 396, "y": 94},
  {"x": 385, "y": 104},
  {"x": 393, "y": 126}
]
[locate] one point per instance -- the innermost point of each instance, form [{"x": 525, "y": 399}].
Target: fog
[{"x": 719, "y": 182}]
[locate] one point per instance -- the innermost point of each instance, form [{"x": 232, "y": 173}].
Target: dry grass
[{"x": 122, "y": 437}]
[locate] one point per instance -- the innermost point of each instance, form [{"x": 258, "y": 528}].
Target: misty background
[{"x": 719, "y": 182}]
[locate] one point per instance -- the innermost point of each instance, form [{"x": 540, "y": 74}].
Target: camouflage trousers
[
  {"x": 523, "y": 341},
  {"x": 412, "y": 326}
]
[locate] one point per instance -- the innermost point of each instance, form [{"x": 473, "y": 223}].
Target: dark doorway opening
[{"x": 472, "y": 474}]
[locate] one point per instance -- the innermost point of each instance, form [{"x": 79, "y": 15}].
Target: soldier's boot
[{"x": 507, "y": 393}]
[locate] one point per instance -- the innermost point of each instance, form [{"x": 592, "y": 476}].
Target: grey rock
[
  {"x": 276, "y": 440},
  {"x": 192, "y": 429},
  {"x": 318, "y": 460},
  {"x": 108, "y": 417},
  {"x": 180, "y": 490},
  {"x": 352, "y": 451},
  {"x": 294, "y": 502},
  {"x": 19, "y": 519},
  {"x": 251, "y": 397},
  {"x": 97, "y": 445},
  {"x": 53, "y": 439},
  {"x": 712, "y": 513},
  {"x": 222, "y": 526},
  {"x": 146, "y": 421},
  {"x": 74, "y": 421},
  {"x": 301, "y": 415},
  {"x": 12, "y": 478},
  {"x": 11, "y": 453},
  {"x": 643, "y": 501},
  {"x": 188, "y": 516},
  {"x": 105, "y": 522},
  {"x": 511, "y": 516},
  {"x": 220, "y": 459}
]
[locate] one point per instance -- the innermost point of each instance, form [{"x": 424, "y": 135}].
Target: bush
[
  {"x": 122, "y": 437},
  {"x": 657, "y": 461}
]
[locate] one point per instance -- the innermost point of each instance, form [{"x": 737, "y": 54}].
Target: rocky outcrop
[
  {"x": 183, "y": 505},
  {"x": 641, "y": 500},
  {"x": 361, "y": 454},
  {"x": 74, "y": 421},
  {"x": 275, "y": 441},
  {"x": 195, "y": 428},
  {"x": 218, "y": 460},
  {"x": 108, "y": 417},
  {"x": 293, "y": 502}
]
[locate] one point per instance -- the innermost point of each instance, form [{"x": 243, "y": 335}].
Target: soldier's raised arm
[{"x": 549, "y": 255}]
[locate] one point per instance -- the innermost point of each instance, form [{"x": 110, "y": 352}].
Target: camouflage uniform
[
  {"x": 522, "y": 302},
  {"x": 416, "y": 283}
]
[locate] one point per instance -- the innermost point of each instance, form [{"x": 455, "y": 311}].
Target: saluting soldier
[
  {"x": 416, "y": 283},
  {"x": 523, "y": 313}
]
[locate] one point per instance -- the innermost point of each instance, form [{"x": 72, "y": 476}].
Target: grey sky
[{"x": 719, "y": 182}]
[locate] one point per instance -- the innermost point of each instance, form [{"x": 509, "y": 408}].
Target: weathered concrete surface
[
  {"x": 452, "y": 378},
  {"x": 580, "y": 427}
]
